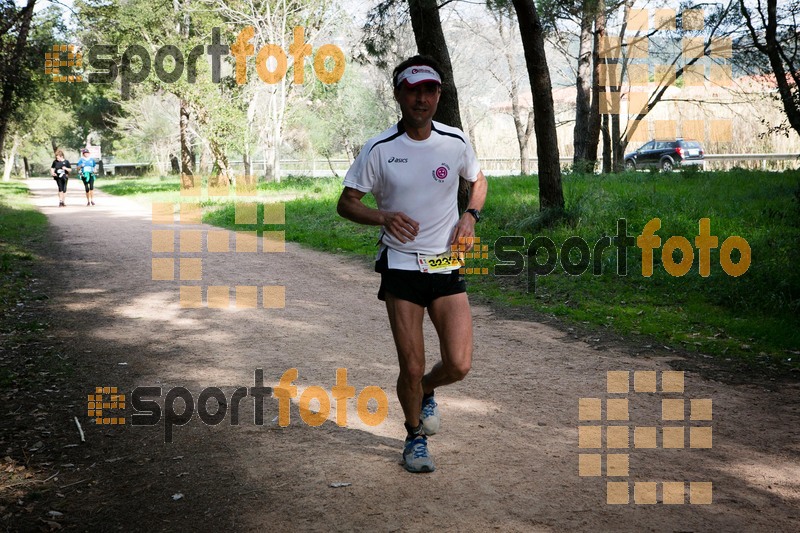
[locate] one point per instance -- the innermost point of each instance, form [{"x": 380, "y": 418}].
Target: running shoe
[
  {"x": 429, "y": 416},
  {"x": 416, "y": 458}
]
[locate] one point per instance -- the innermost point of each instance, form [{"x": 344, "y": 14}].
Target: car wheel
[
  {"x": 666, "y": 165},
  {"x": 630, "y": 165}
]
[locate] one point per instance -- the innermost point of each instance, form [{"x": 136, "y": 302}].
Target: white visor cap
[{"x": 417, "y": 74}]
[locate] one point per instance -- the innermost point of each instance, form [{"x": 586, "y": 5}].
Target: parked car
[{"x": 666, "y": 155}]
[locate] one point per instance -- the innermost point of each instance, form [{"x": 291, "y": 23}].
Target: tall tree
[
  {"x": 594, "y": 111},
  {"x": 12, "y": 53},
  {"x": 12, "y": 15},
  {"x": 151, "y": 31},
  {"x": 719, "y": 22},
  {"x": 42, "y": 114},
  {"x": 501, "y": 36},
  {"x": 590, "y": 18},
  {"x": 430, "y": 39},
  {"x": 187, "y": 161},
  {"x": 428, "y": 33},
  {"x": 776, "y": 37},
  {"x": 583, "y": 98},
  {"x": 504, "y": 18},
  {"x": 551, "y": 195},
  {"x": 380, "y": 43},
  {"x": 281, "y": 23}
]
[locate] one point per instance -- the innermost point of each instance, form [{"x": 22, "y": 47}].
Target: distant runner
[
  {"x": 60, "y": 171},
  {"x": 86, "y": 171}
]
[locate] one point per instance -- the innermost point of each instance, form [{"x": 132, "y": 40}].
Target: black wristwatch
[{"x": 475, "y": 213}]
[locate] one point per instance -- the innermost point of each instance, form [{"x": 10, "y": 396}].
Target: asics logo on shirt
[{"x": 398, "y": 160}]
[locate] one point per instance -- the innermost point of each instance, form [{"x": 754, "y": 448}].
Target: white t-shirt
[{"x": 419, "y": 178}]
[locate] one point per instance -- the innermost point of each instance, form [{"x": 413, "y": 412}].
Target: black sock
[
  {"x": 413, "y": 431},
  {"x": 426, "y": 396}
]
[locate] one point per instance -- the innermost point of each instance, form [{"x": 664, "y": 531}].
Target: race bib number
[{"x": 444, "y": 262}]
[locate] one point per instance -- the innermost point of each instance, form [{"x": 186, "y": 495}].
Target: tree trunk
[
  {"x": 471, "y": 129},
  {"x": 330, "y": 166},
  {"x": 430, "y": 41},
  {"x": 26, "y": 167},
  {"x": 276, "y": 146},
  {"x": 583, "y": 101},
  {"x": 272, "y": 131},
  {"x": 9, "y": 89},
  {"x": 187, "y": 167},
  {"x": 524, "y": 130},
  {"x": 11, "y": 22},
  {"x": 594, "y": 115},
  {"x": 9, "y": 160},
  {"x": 221, "y": 165},
  {"x": 619, "y": 143},
  {"x": 203, "y": 168},
  {"x": 772, "y": 48},
  {"x": 606, "y": 146},
  {"x": 551, "y": 194}
]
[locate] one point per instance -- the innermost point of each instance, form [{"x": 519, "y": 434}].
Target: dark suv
[{"x": 666, "y": 155}]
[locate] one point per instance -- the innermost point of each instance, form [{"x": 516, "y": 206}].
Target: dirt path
[{"x": 507, "y": 455}]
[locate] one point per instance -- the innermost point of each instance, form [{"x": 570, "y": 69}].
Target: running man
[
  {"x": 412, "y": 169},
  {"x": 86, "y": 166}
]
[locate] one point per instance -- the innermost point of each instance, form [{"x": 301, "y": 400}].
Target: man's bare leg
[
  {"x": 406, "y": 321},
  {"x": 452, "y": 318}
]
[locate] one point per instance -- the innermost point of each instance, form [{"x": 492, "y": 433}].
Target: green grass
[
  {"x": 151, "y": 189},
  {"x": 20, "y": 225},
  {"x": 168, "y": 188},
  {"x": 743, "y": 317},
  {"x": 752, "y": 318}
]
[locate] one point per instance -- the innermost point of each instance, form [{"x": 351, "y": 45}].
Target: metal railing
[
  {"x": 724, "y": 161},
  {"x": 493, "y": 166}
]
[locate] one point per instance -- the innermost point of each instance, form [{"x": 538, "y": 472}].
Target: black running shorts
[{"x": 415, "y": 286}]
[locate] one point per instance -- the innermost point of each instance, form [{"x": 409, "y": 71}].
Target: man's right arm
[{"x": 398, "y": 224}]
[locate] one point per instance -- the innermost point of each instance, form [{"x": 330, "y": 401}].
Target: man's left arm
[{"x": 466, "y": 224}]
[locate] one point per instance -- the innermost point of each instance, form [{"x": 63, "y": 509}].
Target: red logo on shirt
[{"x": 441, "y": 173}]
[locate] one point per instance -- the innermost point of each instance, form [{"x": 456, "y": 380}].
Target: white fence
[{"x": 323, "y": 168}]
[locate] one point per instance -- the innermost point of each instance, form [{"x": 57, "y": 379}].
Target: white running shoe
[
  {"x": 416, "y": 458},
  {"x": 429, "y": 416}
]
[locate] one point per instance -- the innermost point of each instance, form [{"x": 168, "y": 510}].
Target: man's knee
[
  {"x": 412, "y": 373},
  {"x": 458, "y": 370}
]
